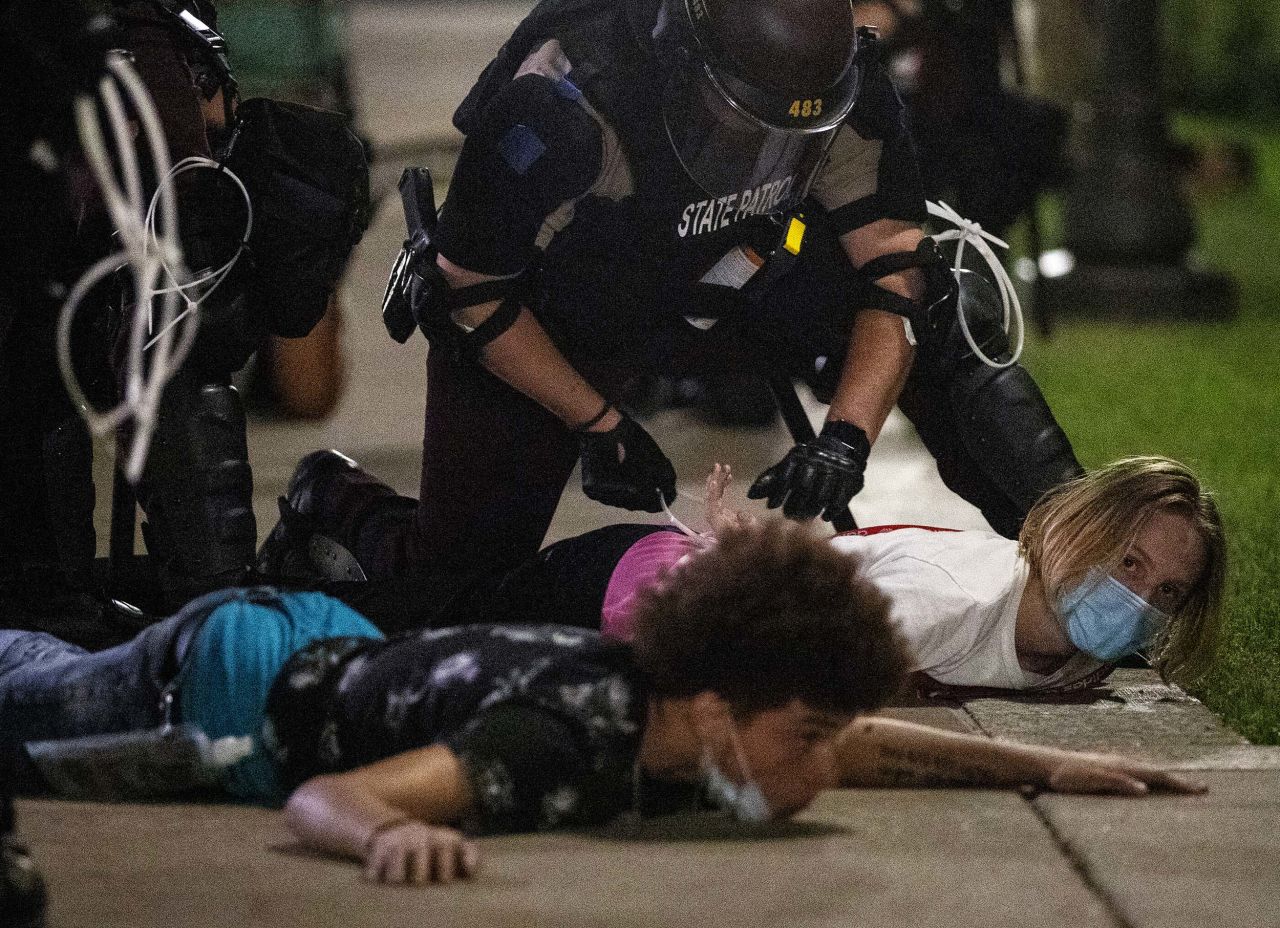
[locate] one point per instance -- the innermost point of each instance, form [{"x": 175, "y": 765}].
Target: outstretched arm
[
  {"x": 878, "y": 751},
  {"x": 392, "y": 816}
]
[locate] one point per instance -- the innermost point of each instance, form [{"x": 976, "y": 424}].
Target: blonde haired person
[
  {"x": 1128, "y": 558},
  {"x": 1072, "y": 531}
]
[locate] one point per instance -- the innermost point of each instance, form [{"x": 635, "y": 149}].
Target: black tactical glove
[
  {"x": 625, "y": 467},
  {"x": 817, "y": 476}
]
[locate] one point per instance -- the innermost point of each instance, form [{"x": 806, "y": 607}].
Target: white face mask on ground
[{"x": 745, "y": 800}]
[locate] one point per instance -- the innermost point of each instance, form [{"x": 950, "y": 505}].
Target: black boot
[
  {"x": 197, "y": 491},
  {"x": 298, "y": 548}
]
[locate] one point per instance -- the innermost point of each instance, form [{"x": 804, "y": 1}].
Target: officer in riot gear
[
  {"x": 683, "y": 185},
  {"x": 306, "y": 176},
  {"x": 195, "y": 490},
  {"x": 51, "y": 52}
]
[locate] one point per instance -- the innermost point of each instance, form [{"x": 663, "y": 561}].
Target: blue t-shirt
[{"x": 234, "y": 660}]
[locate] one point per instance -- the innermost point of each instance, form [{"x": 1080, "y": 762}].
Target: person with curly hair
[
  {"x": 1129, "y": 558},
  {"x": 745, "y": 686}
]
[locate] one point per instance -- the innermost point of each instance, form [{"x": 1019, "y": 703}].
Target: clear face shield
[
  {"x": 725, "y": 151},
  {"x": 732, "y": 136}
]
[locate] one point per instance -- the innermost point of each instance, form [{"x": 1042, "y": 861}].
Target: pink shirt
[
  {"x": 643, "y": 565},
  {"x": 652, "y": 556}
]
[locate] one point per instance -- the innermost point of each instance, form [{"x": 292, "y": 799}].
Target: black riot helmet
[{"x": 756, "y": 89}]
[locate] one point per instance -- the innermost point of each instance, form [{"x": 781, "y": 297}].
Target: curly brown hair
[{"x": 767, "y": 615}]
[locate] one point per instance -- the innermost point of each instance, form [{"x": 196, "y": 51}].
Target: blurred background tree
[
  {"x": 289, "y": 49},
  {"x": 1206, "y": 394},
  {"x": 1223, "y": 55}
]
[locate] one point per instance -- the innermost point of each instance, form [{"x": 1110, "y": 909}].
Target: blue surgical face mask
[
  {"x": 1106, "y": 619},
  {"x": 745, "y": 801}
]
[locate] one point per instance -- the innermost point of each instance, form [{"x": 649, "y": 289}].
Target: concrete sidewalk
[
  {"x": 909, "y": 858},
  {"x": 945, "y": 858}
]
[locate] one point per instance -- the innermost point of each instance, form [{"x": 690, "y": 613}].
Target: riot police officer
[
  {"x": 307, "y": 179},
  {"x": 681, "y": 185}
]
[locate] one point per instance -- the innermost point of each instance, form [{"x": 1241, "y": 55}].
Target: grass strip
[{"x": 1208, "y": 395}]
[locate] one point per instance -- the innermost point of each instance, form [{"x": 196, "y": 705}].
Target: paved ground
[
  {"x": 906, "y": 857},
  {"x": 946, "y": 858}
]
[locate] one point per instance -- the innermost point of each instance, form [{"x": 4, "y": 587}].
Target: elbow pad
[
  {"x": 417, "y": 294},
  {"x": 920, "y": 317}
]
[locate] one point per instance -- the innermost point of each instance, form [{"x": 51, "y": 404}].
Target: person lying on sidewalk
[
  {"x": 745, "y": 685},
  {"x": 1129, "y": 558}
]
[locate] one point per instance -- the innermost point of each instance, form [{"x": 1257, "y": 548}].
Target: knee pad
[
  {"x": 197, "y": 490},
  {"x": 1010, "y": 432}
]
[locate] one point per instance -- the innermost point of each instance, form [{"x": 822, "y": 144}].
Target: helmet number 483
[{"x": 804, "y": 108}]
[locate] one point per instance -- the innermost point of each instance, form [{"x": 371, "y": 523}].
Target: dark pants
[
  {"x": 52, "y": 689},
  {"x": 495, "y": 462},
  {"x": 563, "y": 584}
]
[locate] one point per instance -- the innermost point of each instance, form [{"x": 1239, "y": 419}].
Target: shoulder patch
[
  {"x": 567, "y": 90},
  {"x": 521, "y": 148}
]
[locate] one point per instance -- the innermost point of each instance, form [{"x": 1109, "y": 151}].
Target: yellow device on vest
[{"x": 795, "y": 235}]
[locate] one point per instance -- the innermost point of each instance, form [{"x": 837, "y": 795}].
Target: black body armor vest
[{"x": 656, "y": 243}]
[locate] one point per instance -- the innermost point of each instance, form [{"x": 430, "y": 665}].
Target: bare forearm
[
  {"x": 877, "y": 751},
  {"x": 879, "y": 357},
  {"x": 525, "y": 358},
  {"x": 340, "y": 812},
  {"x": 875, "y": 370},
  {"x": 332, "y": 815}
]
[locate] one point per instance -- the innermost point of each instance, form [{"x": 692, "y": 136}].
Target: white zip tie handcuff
[
  {"x": 150, "y": 249},
  {"x": 700, "y": 537},
  {"x": 970, "y": 233}
]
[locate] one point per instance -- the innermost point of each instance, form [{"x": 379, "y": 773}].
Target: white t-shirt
[{"x": 954, "y": 596}]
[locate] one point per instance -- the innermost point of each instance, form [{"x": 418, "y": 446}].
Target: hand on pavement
[
  {"x": 418, "y": 853},
  {"x": 1111, "y": 775}
]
